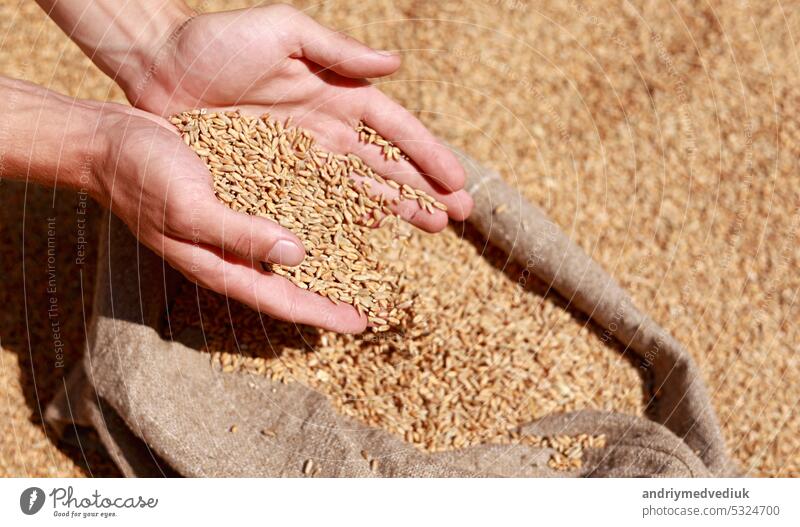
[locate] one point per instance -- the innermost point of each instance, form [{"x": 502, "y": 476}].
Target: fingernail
[{"x": 286, "y": 252}]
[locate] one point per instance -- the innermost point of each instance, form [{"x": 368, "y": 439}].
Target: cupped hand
[
  {"x": 161, "y": 189},
  {"x": 277, "y": 60}
]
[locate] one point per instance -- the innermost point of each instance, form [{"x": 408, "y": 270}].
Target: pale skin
[{"x": 167, "y": 59}]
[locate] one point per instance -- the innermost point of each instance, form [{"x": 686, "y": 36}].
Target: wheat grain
[
  {"x": 266, "y": 432},
  {"x": 270, "y": 169},
  {"x": 467, "y": 364},
  {"x": 369, "y": 136}
]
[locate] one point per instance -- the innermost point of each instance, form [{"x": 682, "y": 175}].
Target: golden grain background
[{"x": 662, "y": 136}]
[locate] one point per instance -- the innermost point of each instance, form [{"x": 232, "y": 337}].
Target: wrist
[
  {"x": 136, "y": 67},
  {"x": 122, "y": 39},
  {"x": 51, "y": 139}
]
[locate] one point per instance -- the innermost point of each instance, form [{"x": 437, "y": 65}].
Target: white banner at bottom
[{"x": 399, "y": 502}]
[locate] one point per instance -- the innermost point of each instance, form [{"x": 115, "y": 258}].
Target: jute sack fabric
[{"x": 159, "y": 407}]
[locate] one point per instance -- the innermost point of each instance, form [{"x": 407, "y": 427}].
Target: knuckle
[
  {"x": 239, "y": 243},
  {"x": 329, "y": 319},
  {"x": 282, "y": 9},
  {"x": 177, "y": 219},
  {"x": 290, "y": 310},
  {"x": 414, "y": 215},
  {"x": 212, "y": 277}
]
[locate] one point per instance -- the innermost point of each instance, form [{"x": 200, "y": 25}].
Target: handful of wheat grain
[{"x": 271, "y": 169}]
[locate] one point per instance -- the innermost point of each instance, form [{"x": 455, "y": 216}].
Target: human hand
[
  {"x": 277, "y": 60},
  {"x": 160, "y": 188},
  {"x": 136, "y": 164},
  {"x": 262, "y": 60}
]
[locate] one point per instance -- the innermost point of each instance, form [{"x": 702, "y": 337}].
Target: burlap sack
[{"x": 158, "y": 405}]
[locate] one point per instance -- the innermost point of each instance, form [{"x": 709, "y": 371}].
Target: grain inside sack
[{"x": 456, "y": 362}]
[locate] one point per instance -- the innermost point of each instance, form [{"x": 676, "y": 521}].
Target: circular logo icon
[{"x": 31, "y": 500}]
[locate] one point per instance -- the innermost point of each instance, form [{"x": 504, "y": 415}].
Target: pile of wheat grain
[{"x": 479, "y": 353}]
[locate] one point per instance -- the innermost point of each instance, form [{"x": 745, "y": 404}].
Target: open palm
[
  {"x": 273, "y": 60},
  {"x": 277, "y": 60},
  {"x": 159, "y": 188}
]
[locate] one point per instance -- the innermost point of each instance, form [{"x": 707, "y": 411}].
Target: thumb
[
  {"x": 343, "y": 54},
  {"x": 250, "y": 237}
]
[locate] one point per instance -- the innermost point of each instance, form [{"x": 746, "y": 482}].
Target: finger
[
  {"x": 342, "y": 139},
  {"x": 343, "y": 54},
  {"x": 253, "y": 238},
  {"x": 397, "y": 125},
  {"x": 459, "y": 204},
  {"x": 264, "y": 292},
  {"x": 408, "y": 209},
  {"x": 193, "y": 212}
]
